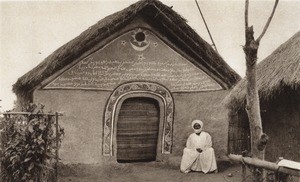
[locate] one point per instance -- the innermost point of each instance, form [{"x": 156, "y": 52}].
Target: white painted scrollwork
[{"x": 147, "y": 87}]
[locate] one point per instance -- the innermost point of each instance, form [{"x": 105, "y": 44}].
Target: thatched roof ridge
[
  {"x": 278, "y": 71},
  {"x": 159, "y": 14}
]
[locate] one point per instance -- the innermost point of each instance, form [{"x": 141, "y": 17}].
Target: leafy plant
[{"x": 29, "y": 145}]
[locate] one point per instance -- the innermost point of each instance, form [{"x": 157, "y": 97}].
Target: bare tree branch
[
  {"x": 246, "y": 15},
  {"x": 268, "y": 22}
]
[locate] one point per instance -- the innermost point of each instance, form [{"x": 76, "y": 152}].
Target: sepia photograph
[{"x": 150, "y": 90}]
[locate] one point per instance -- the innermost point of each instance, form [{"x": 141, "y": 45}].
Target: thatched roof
[
  {"x": 160, "y": 16},
  {"x": 278, "y": 71}
]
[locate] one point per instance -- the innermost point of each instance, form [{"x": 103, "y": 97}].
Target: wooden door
[
  {"x": 239, "y": 133},
  {"x": 137, "y": 130}
]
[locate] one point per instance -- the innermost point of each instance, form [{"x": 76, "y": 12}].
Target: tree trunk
[
  {"x": 258, "y": 138},
  {"x": 253, "y": 107}
]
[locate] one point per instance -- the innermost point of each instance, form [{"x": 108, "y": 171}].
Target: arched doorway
[
  {"x": 139, "y": 89},
  {"x": 137, "y": 130}
]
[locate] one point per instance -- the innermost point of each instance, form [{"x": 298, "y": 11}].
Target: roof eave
[{"x": 64, "y": 55}]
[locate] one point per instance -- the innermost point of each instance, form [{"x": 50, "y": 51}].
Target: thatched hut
[
  {"x": 278, "y": 82},
  {"x": 130, "y": 85}
]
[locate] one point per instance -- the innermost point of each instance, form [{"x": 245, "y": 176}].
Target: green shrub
[{"x": 28, "y": 145}]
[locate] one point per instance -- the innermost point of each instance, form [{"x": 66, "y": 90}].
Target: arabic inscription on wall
[{"x": 132, "y": 58}]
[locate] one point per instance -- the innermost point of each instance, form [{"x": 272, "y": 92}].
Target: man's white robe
[{"x": 195, "y": 161}]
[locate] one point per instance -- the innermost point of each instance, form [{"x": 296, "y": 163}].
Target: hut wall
[
  {"x": 22, "y": 100},
  {"x": 206, "y": 106},
  {"x": 144, "y": 55},
  {"x": 281, "y": 122},
  {"x": 83, "y": 121}
]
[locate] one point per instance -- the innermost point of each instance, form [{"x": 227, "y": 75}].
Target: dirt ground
[
  {"x": 150, "y": 172},
  {"x": 144, "y": 172}
]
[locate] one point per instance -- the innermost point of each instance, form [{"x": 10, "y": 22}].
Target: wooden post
[
  {"x": 281, "y": 177},
  {"x": 244, "y": 167},
  {"x": 57, "y": 143},
  {"x": 243, "y": 172}
]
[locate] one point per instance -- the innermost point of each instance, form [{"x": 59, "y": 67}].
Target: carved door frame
[{"x": 139, "y": 89}]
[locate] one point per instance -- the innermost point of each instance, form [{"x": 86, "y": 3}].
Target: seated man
[{"x": 198, "y": 154}]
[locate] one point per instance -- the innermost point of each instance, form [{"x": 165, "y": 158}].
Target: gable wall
[
  {"x": 127, "y": 59},
  {"x": 84, "y": 113},
  {"x": 83, "y": 103}
]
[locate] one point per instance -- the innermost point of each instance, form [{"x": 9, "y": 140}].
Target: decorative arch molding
[{"x": 138, "y": 87}]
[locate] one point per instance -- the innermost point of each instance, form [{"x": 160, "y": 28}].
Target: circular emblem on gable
[{"x": 139, "y": 41}]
